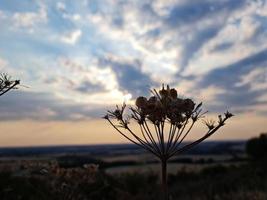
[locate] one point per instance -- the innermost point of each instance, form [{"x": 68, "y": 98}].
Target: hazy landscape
[
  {"x": 125, "y": 158},
  {"x": 220, "y": 170}
]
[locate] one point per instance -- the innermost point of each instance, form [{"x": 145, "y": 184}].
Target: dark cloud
[
  {"x": 154, "y": 33},
  {"x": 199, "y": 39},
  {"x": 118, "y": 21},
  {"x": 260, "y": 34},
  {"x": 130, "y": 77},
  {"x": 238, "y": 100},
  {"x": 190, "y": 15},
  {"x": 147, "y": 13},
  {"x": 18, "y": 105},
  {"x": 88, "y": 87},
  {"x": 228, "y": 77},
  {"x": 222, "y": 47},
  {"x": 244, "y": 97},
  {"x": 193, "y": 11}
]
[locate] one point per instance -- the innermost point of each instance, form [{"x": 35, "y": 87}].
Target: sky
[{"x": 80, "y": 58}]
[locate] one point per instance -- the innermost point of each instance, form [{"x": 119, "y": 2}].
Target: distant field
[
  {"x": 148, "y": 157},
  {"x": 147, "y": 166},
  {"x": 173, "y": 168},
  {"x": 116, "y": 159}
]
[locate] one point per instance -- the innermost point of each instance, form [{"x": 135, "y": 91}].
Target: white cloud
[
  {"x": 80, "y": 70},
  {"x": 77, "y": 72},
  {"x": 3, "y": 63},
  {"x": 262, "y": 10},
  {"x": 263, "y": 98},
  {"x": 159, "y": 61},
  {"x": 7, "y": 67},
  {"x": 237, "y": 31},
  {"x": 133, "y": 30},
  {"x": 30, "y": 19},
  {"x": 209, "y": 95},
  {"x": 61, "y": 6},
  {"x": 2, "y": 15},
  {"x": 257, "y": 79},
  {"x": 72, "y": 37},
  {"x": 72, "y": 17},
  {"x": 206, "y": 61}
]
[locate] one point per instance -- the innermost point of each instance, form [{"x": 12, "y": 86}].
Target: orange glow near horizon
[{"x": 36, "y": 133}]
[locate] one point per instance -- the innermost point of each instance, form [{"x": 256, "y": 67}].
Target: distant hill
[{"x": 209, "y": 147}]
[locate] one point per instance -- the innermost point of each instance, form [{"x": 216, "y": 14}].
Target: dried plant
[
  {"x": 7, "y": 84},
  {"x": 165, "y": 120}
]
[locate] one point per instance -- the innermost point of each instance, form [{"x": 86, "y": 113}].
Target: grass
[{"x": 217, "y": 182}]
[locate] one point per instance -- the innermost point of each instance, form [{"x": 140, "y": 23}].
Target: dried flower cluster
[
  {"x": 163, "y": 106},
  {"x": 6, "y": 83},
  {"x": 153, "y": 114}
]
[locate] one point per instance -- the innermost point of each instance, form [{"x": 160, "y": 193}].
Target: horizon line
[{"x": 106, "y": 144}]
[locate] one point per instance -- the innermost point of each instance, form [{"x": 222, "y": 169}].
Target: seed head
[
  {"x": 228, "y": 114},
  {"x": 210, "y": 124},
  {"x": 173, "y": 93},
  {"x": 141, "y": 102}
]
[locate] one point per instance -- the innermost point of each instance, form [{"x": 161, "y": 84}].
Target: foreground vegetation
[
  {"x": 244, "y": 182},
  {"x": 69, "y": 178}
]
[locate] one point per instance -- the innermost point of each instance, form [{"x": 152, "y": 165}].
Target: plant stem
[{"x": 164, "y": 178}]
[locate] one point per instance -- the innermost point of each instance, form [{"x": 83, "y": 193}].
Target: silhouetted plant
[
  {"x": 7, "y": 83},
  {"x": 165, "y": 120},
  {"x": 257, "y": 147}
]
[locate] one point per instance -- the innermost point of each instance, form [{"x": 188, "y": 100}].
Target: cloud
[
  {"x": 204, "y": 35},
  {"x": 30, "y": 19},
  {"x": 164, "y": 48},
  {"x": 3, "y": 63},
  {"x": 227, "y": 75},
  {"x": 89, "y": 82},
  {"x": 134, "y": 39},
  {"x": 256, "y": 79},
  {"x": 243, "y": 87},
  {"x": 2, "y": 15},
  {"x": 6, "y": 68},
  {"x": 62, "y": 9},
  {"x": 222, "y": 47},
  {"x": 197, "y": 41},
  {"x": 61, "y": 6},
  {"x": 88, "y": 72},
  {"x": 107, "y": 76},
  {"x": 129, "y": 75},
  {"x": 21, "y": 105},
  {"x": 230, "y": 45},
  {"x": 72, "y": 37},
  {"x": 88, "y": 87},
  {"x": 207, "y": 49}
]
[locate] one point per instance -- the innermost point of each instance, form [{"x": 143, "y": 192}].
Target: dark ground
[{"x": 55, "y": 174}]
